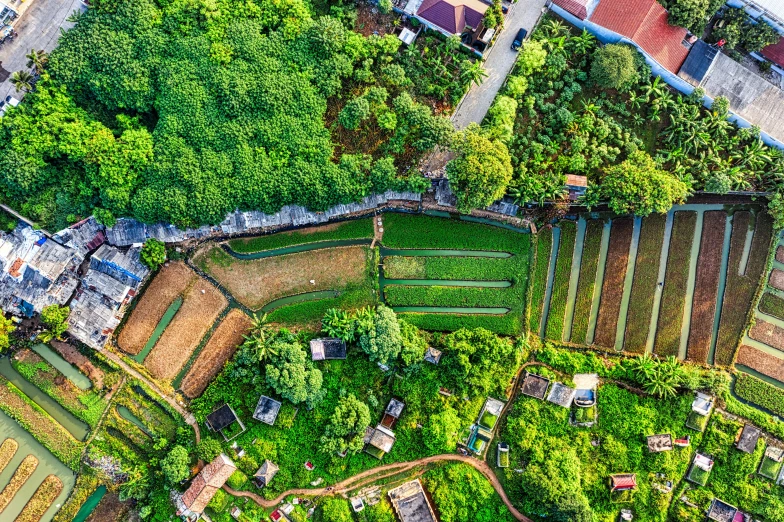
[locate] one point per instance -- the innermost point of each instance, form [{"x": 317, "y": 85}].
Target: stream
[
  {"x": 90, "y": 504},
  {"x": 79, "y": 379},
  {"x": 73, "y": 425},
  {"x": 156, "y": 334},
  {"x": 126, "y": 414},
  {"x": 47, "y": 465}
]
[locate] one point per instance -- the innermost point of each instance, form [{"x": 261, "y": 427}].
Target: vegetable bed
[
  {"x": 587, "y": 280},
  {"x": 355, "y": 229},
  {"x": 645, "y": 282},
  {"x": 763, "y": 362},
  {"x": 759, "y": 392},
  {"x": 614, "y": 277},
  {"x": 562, "y": 276},
  {"x": 544, "y": 244},
  {"x": 772, "y": 305},
  {"x": 668, "y": 331},
  {"x": 768, "y": 333},
  {"x": 415, "y": 231}
]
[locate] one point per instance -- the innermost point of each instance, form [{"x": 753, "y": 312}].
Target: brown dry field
[
  {"x": 780, "y": 254},
  {"x": 777, "y": 279},
  {"x": 764, "y": 363},
  {"x": 219, "y": 349},
  {"x": 612, "y": 286},
  {"x": 256, "y": 282},
  {"x": 171, "y": 281},
  {"x": 202, "y": 305},
  {"x": 41, "y": 500},
  {"x": 26, "y": 468},
  {"x": 768, "y": 333},
  {"x": 706, "y": 288}
]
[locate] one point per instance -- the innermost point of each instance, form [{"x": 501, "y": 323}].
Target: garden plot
[
  {"x": 257, "y": 282},
  {"x": 562, "y": 276},
  {"x": 703, "y": 311},
  {"x": 356, "y": 229},
  {"x": 768, "y": 333},
  {"x": 763, "y": 362},
  {"x": 200, "y": 308},
  {"x": 170, "y": 283},
  {"x": 614, "y": 278},
  {"x": 777, "y": 279},
  {"x": 772, "y": 305},
  {"x": 586, "y": 283},
  {"x": 219, "y": 349},
  {"x": 541, "y": 273}
]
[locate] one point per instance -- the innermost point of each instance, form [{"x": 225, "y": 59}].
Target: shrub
[
  {"x": 614, "y": 67},
  {"x": 237, "y": 480}
]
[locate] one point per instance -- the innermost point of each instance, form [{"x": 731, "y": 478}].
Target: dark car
[{"x": 518, "y": 41}]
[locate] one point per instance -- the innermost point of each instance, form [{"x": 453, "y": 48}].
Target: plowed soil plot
[
  {"x": 170, "y": 282},
  {"x": 777, "y": 279},
  {"x": 740, "y": 290},
  {"x": 587, "y": 281},
  {"x": 614, "y": 276},
  {"x": 668, "y": 329},
  {"x": 219, "y": 349},
  {"x": 768, "y": 333},
  {"x": 646, "y": 273},
  {"x": 703, "y": 310},
  {"x": 764, "y": 363},
  {"x": 780, "y": 254},
  {"x": 202, "y": 305}
]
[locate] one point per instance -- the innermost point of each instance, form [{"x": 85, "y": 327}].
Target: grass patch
[
  {"x": 587, "y": 281},
  {"x": 563, "y": 274},
  {"x": 706, "y": 289},
  {"x": 772, "y": 305},
  {"x": 452, "y": 296},
  {"x": 668, "y": 331},
  {"x": 697, "y": 421},
  {"x": 645, "y": 282},
  {"x": 740, "y": 290},
  {"x": 612, "y": 284},
  {"x": 507, "y": 324},
  {"x": 585, "y": 415},
  {"x": 415, "y": 231},
  {"x": 460, "y": 268},
  {"x": 354, "y": 229},
  {"x": 770, "y": 468},
  {"x": 759, "y": 392},
  {"x": 544, "y": 245}
]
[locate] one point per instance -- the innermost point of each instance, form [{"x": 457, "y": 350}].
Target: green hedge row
[
  {"x": 563, "y": 274},
  {"x": 760, "y": 392},
  {"x": 355, "y": 229},
  {"x": 589, "y": 265},
  {"x": 416, "y": 231},
  {"x": 544, "y": 245}
]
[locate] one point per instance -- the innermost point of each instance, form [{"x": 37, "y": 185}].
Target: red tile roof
[
  {"x": 578, "y": 8},
  {"x": 622, "y": 482},
  {"x": 645, "y": 23},
  {"x": 207, "y": 482},
  {"x": 453, "y": 15},
  {"x": 775, "y": 52}
]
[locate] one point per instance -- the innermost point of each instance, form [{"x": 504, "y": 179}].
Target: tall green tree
[
  {"x": 176, "y": 465},
  {"x": 55, "y": 317},
  {"x": 382, "y": 341},
  {"x": 346, "y": 428},
  {"x": 292, "y": 375},
  {"x": 6, "y": 328},
  {"x": 614, "y": 67},
  {"x": 153, "y": 253}
]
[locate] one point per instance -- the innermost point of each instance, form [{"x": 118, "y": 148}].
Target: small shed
[
  {"x": 747, "y": 442},
  {"x": 490, "y": 413},
  {"x": 623, "y": 482},
  {"x": 660, "y": 443},
  {"x": 700, "y": 469},
  {"x": 357, "y": 504},
  {"x": 561, "y": 395},
  {"x": 720, "y": 511},
  {"x": 265, "y": 474},
  {"x": 432, "y": 355},
  {"x": 267, "y": 410},
  {"x": 221, "y": 419},
  {"x": 380, "y": 442},
  {"x": 235, "y": 513},
  {"x": 327, "y": 348},
  {"x": 702, "y": 404},
  {"x": 576, "y": 186},
  {"x": 407, "y": 36},
  {"x": 535, "y": 385},
  {"x": 392, "y": 413}
]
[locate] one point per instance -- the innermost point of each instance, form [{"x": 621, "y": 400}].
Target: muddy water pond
[{"x": 79, "y": 379}]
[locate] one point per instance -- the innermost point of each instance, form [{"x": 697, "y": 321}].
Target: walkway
[
  {"x": 20, "y": 217},
  {"x": 498, "y": 63},
  {"x": 382, "y": 472}
]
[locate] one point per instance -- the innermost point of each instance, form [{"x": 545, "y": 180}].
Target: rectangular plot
[
  {"x": 587, "y": 280},
  {"x": 170, "y": 282},
  {"x": 780, "y": 254},
  {"x": 668, "y": 330},
  {"x": 740, "y": 289},
  {"x": 199, "y": 310},
  {"x": 614, "y": 277},
  {"x": 544, "y": 244},
  {"x": 646, "y": 273},
  {"x": 763, "y": 362},
  {"x": 777, "y": 278},
  {"x": 768, "y": 333},
  {"x": 563, "y": 273},
  {"x": 449, "y": 296},
  {"x": 703, "y": 310},
  {"x": 772, "y": 305}
]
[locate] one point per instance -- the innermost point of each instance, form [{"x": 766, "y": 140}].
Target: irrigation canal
[
  {"x": 79, "y": 379},
  {"x": 156, "y": 334},
  {"x": 90, "y": 504}
]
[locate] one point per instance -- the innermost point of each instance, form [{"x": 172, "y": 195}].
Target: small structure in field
[
  {"x": 561, "y": 395},
  {"x": 265, "y": 474},
  {"x": 379, "y": 441},
  {"x": 683, "y": 442},
  {"x": 502, "y": 458},
  {"x": 575, "y": 186},
  {"x": 535, "y": 385},
  {"x": 222, "y": 419},
  {"x": 720, "y": 511},
  {"x": 432, "y": 355},
  {"x": 490, "y": 413},
  {"x": 327, "y": 348},
  {"x": 622, "y": 487},
  {"x": 392, "y": 413},
  {"x": 411, "y": 504},
  {"x": 586, "y": 384},
  {"x": 235, "y": 513},
  {"x": 701, "y": 408},
  {"x": 626, "y": 515},
  {"x": 659, "y": 443},
  {"x": 357, "y": 504},
  {"x": 771, "y": 464},
  {"x": 747, "y": 441},
  {"x": 210, "y": 479},
  {"x": 700, "y": 469},
  {"x": 267, "y": 410}
]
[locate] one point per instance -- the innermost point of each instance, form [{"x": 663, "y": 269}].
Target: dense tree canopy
[
  {"x": 175, "y": 465},
  {"x": 153, "y": 253},
  {"x": 291, "y": 373},
  {"x": 478, "y": 361},
  {"x": 346, "y": 428},
  {"x": 614, "y": 67}
]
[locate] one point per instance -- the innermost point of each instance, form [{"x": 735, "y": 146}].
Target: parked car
[
  {"x": 13, "y": 102},
  {"x": 518, "y": 41}
]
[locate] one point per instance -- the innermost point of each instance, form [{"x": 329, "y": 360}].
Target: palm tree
[
  {"x": 583, "y": 43},
  {"x": 654, "y": 90},
  {"x": 37, "y": 60},
  {"x": 23, "y": 81},
  {"x": 472, "y": 72},
  {"x": 259, "y": 345},
  {"x": 554, "y": 28}
]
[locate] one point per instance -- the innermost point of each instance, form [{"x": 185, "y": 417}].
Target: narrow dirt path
[
  {"x": 109, "y": 398},
  {"x": 382, "y": 472},
  {"x": 378, "y": 230}
]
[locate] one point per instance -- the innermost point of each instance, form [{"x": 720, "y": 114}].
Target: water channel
[
  {"x": 73, "y": 425},
  {"x": 90, "y": 504},
  {"x": 79, "y": 379},
  {"x": 47, "y": 465},
  {"x": 156, "y": 334},
  {"x": 300, "y": 298},
  {"x": 318, "y": 245},
  {"x": 126, "y": 414}
]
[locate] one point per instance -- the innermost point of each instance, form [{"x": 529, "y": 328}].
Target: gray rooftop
[
  {"x": 697, "y": 63},
  {"x": 92, "y": 319},
  {"x": 267, "y": 410},
  {"x": 411, "y": 504},
  {"x": 535, "y": 385},
  {"x": 395, "y": 408},
  {"x": 327, "y": 348},
  {"x": 123, "y": 266},
  {"x": 105, "y": 285},
  {"x": 561, "y": 395},
  {"x": 432, "y": 355},
  {"x": 748, "y": 439}
]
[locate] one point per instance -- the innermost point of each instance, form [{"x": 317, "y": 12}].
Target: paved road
[
  {"x": 498, "y": 62},
  {"x": 383, "y": 472},
  {"x": 38, "y": 28}
]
